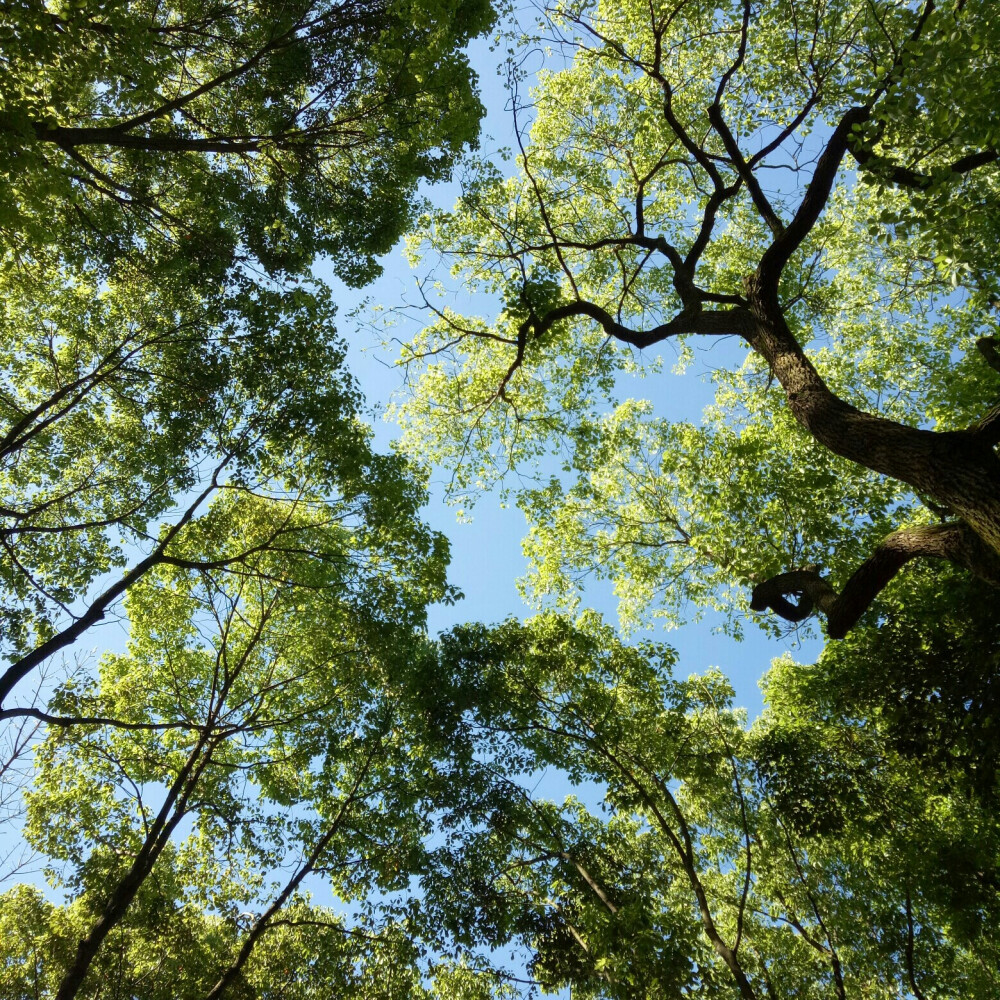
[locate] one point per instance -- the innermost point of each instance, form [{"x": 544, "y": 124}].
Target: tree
[
  {"x": 264, "y": 728},
  {"x": 925, "y": 676},
  {"x": 126, "y": 417},
  {"x": 299, "y": 958},
  {"x": 180, "y": 438},
  {"x": 807, "y": 856},
  {"x": 921, "y": 686},
  {"x": 202, "y": 133},
  {"x": 815, "y": 179},
  {"x": 172, "y": 174},
  {"x": 177, "y": 413},
  {"x": 802, "y": 857}
]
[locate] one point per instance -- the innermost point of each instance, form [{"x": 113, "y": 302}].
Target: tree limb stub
[{"x": 955, "y": 542}]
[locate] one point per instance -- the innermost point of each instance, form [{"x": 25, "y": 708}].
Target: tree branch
[
  {"x": 264, "y": 921},
  {"x": 905, "y": 176},
  {"x": 910, "y": 968},
  {"x": 955, "y": 542},
  {"x": 70, "y": 721},
  {"x": 713, "y": 322},
  {"x": 20, "y": 668},
  {"x": 778, "y": 254},
  {"x": 761, "y": 203},
  {"x": 729, "y": 140}
]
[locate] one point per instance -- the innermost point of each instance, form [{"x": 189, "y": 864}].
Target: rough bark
[{"x": 958, "y": 471}]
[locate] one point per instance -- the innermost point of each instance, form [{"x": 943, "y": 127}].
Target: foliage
[
  {"x": 685, "y": 171},
  {"x": 116, "y": 412},
  {"x": 181, "y": 440},
  {"x": 698, "y": 856},
  {"x": 806, "y": 856},
  {"x": 303, "y": 958},
  {"x": 924, "y": 677},
  {"x": 257, "y": 731},
  {"x": 170, "y": 175},
  {"x": 199, "y": 133}
]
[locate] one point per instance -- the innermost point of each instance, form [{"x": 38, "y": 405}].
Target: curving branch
[
  {"x": 121, "y": 134},
  {"x": 709, "y": 322},
  {"x": 907, "y": 177},
  {"x": 955, "y": 542}
]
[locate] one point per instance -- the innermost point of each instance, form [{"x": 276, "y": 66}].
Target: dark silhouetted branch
[{"x": 955, "y": 542}]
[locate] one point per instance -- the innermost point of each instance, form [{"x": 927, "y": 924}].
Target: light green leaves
[
  {"x": 698, "y": 855},
  {"x": 263, "y": 131},
  {"x": 632, "y": 202}
]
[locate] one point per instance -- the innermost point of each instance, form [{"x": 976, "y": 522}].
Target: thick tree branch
[
  {"x": 714, "y": 322},
  {"x": 95, "y": 613},
  {"x": 907, "y": 177},
  {"x": 955, "y": 542},
  {"x": 818, "y": 193},
  {"x": 778, "y": 254},
  {"x": 71, "y": 721},
  {"x": 171, "y": 813},
  {"x": 115, "y": 134},
  {"x": 987, "y": 428}
]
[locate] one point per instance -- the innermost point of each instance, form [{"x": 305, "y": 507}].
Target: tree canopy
[
  {"x": 806, "y": 855},
  {"x": 183, "y": 446},
  {"x": 807, "y": 178},
  {"x": 279, "y": 785},
  {"x": 170, "y": 175},
  {"x": 207, "y": 132}
]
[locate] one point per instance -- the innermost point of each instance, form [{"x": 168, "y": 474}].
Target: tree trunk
[{"x": 959, "y": 470}]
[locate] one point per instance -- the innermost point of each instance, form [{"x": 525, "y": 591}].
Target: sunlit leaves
[
  {"x": 626, "y": 190},
  {"x": 702, "y": 856},
  {"x": 193, "y": 133}
]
